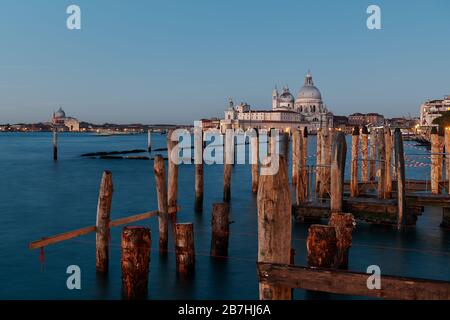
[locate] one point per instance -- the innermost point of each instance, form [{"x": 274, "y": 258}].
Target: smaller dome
[
  {"x": 60, "y": 113},
  {"x": 286, "y": 96}
]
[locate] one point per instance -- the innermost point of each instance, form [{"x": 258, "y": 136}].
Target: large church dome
[
  {"x": 309, "y": 91},
  {"x": 60, "y": 113}
]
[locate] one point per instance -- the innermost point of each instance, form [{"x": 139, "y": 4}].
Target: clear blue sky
[{"x": 177, "y": 61}]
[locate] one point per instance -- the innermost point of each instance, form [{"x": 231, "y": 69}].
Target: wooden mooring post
[
  {"x": 199, "y": 169},
  {"x": 436, "y": 166},
  {"x": 295, "y": 155},
  {"x": 136, "y": 247},
  {"x": 447, "y": 157},
  {"x": 228, "y": 163},
  {"x": 344, "y": 224},
  {"x": 254, "y": 144},
  {"x": 103, "y": 222},
  {"x": 55, "y": 145},
  {"x": 364, "y": 155},
  {"x": 326, "y": 163},
  {"x": 149, "y": 140},
  {"x": 373, "y": 155},
  {"x": 274, "y": 227},
  {"x": 172, "y": 193},
  {"x": 161, "y": 190},
  {"x": 319, "y": 161},
  {"x": 220, "y": 225},
  {"x": 388, "y": 164},
  {"x": 354, "y": 188},
  {"x": 401, "y": 187},
  {"x": 381, "y": 173},
  {"x": 321, "y": 246},
  {"x": 184, "y": 248},
  {"x": 338, "y": 157}
]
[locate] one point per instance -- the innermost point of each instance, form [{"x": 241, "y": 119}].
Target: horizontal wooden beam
[
  {"x": 352, "y": 283},
  {"x": 86, "y": 230}
]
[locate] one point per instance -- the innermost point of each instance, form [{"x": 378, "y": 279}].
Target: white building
[
  {"x": 307, "y": 110},
  {"x": 433, "y": 109},
  {"x": 63, "y": 123}
]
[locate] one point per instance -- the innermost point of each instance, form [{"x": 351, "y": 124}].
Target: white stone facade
[
  {"x": 433, "y": 109},
  {"x": 307, "y": 110}
]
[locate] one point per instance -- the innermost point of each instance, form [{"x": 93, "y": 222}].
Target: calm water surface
[{"x": 40, "y": 198}]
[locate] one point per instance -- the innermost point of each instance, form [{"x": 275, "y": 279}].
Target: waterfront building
[
  {"x": 369, "y": 119},
  {"x": 63, "y": 123},
  {"x": 287, "y": 113},
  {"x": 433, "y": 109}
]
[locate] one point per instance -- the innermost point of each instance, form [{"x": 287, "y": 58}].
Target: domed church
[
  {"x": 307, "y": 110},
  {"x": 63, "y": 123}
]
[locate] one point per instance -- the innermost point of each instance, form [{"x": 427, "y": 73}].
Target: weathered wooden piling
[
  {"x": 401, "y": 187},
  {"x": 381, "y": 173},
  {"x": 254, "y": 143},
  {"x": 447, "y": 157},
  {"x": 436, "y": 165},
  {"x": 284, "y": 145},
  {"x": 441, "y": 168},
  {"x": 373, "y": 155},
  {"x": 302, "y": 181},
  {"x": 326, "y": 163},
  {"x": 102, "y": 224},
  {"x": 344, "y": 223},
  {"x": 274, "y": 227},
  {"x": 172, "y": 193},
  {"x": 136, "y": 247},
  {"x": 228, "y": 163},
  {"x": 354, "y": 188},
  {"x": 318, "y": 161},
  {"x": 321, "y": 246},
  {"x": 338, "y": 157},
  {"x": 295, "y": 155},
  {"x": 220, "y": 225},
  {"x": 364, "y": 155},
  {"x": 388, "y": 164},
  {"x": 161, "y": 190},
  {"x": 184, "y": 248},
  {"x": 55, "y": 145},
  {"x": 199, "y": 169},
  {"x": 149, "y": 140}
]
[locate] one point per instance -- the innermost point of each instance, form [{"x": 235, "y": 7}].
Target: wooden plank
[
  {"x": 86, "y": 230},
  {"x": 135, "y": 218},
  {"x": 61, "y": 237},
  {"x": 352, "y": 283}
]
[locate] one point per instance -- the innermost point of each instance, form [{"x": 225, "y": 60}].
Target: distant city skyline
[{"x": 177, "y": 61}]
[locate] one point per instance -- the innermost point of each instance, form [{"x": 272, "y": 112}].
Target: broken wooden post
[
  {"x": 381, "y": 173},
  {"x": 401, "y": 187},
  {"x": 338, "y": 157},
  {"x": 274, "y": 227},
  {"x": 184, "y": 247},
  {"x": 136, "y": 247},
  {"x": 102, "y": 224},
  {"x": 199, "y": 169},
  {"x": 435, "y": 167},
  {"x": 373, "y": 155},
  {"x": 149, "y": 140},
  {"x": 354, "y": 190},
  {"x": 228, "y": 163},
  {"x": 55, "y": 145},
  {"x": 254, "y": 143},
  {"x": 388, "y": 163},
  {"x": 364, "y": 155},
  {"x": 344, "y": 223},
  {"x": 220, "y": 225},
  {"x": 172, "y": 193},
  {"x": 161, "y": 190},
  {"x": 318, "y": 161},
  {"x": 321, "y": 246}
]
